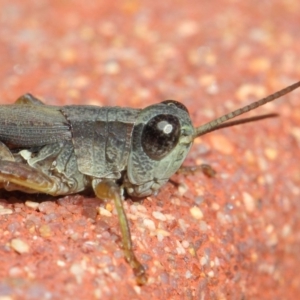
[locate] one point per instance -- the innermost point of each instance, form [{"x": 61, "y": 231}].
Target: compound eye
[
  {"x": 160, "y": 135},
  {"x": 175, "y": 103}
]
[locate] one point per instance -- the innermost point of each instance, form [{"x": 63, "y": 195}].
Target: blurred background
[
  {"x": 214, "y": 56},
  {"x": 133, "y": 51}
]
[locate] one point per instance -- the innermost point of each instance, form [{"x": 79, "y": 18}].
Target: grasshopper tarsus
[
  {"x": 140, "y": 273},
  {"x": 207, "y": 170}
]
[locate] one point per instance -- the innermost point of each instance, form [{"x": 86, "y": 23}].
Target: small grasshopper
[{"x": 60, "y": 150}]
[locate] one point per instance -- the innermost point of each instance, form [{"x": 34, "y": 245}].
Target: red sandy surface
[{"x": 235, "y": 236}]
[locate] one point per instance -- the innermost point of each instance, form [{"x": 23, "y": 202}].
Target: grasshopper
[{"x": 60, "y": 150}]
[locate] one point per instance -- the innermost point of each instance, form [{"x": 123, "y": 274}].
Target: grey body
[{"x": 78, "y": 146}]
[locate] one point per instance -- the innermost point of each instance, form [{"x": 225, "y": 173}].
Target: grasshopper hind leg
[
  {"x": 110, "y": 190},
  {"x": 16, "y": 176}
]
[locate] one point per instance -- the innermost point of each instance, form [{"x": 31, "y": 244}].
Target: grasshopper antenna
[
  {"x": 216, "y": 124},
  {"x": 244, "y": 121}
]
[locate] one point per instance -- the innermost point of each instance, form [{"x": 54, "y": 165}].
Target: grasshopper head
[{"x": 161, "y": 139}]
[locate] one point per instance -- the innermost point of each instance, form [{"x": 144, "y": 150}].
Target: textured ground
[{"x": 235, "y": 236}]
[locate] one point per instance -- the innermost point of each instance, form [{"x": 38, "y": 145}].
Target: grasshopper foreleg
[
  {"x": 110, "y": 190},
  {"x": 204, "y": 168}
]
